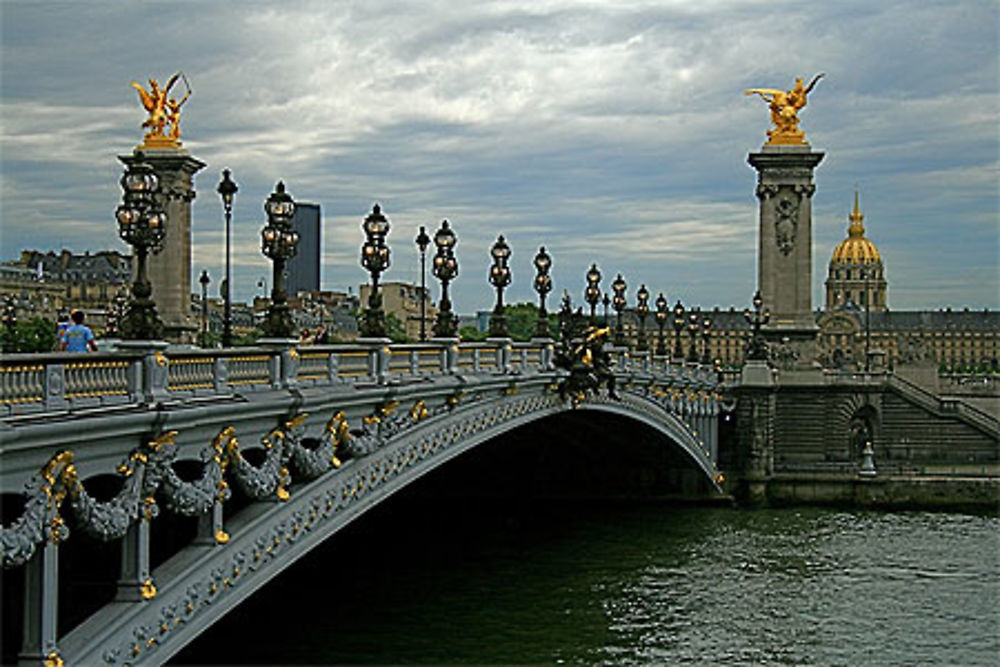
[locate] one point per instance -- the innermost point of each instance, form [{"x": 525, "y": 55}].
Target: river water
[{"x": 581, "y": 584}]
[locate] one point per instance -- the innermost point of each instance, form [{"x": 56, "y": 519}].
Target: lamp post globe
[
  {"x": 543, "y": 285},
  {"x": 445, "y": 269},
  {"x": 227, "y": 189},
  {"x": 678, "y": 327},
  {"x": 642, "y": 310},
  {"x": 500, "y": 278},
  {"x": 279, "y": 242},
  {"x": 693, "y": 325},
  {"x": 375, "y": 259},
  {"x": 662, "y": 312},
  {"x": 141, "y": 224},
  {"x": 618, "y": 302}
]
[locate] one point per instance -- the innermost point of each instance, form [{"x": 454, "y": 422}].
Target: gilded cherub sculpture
[
  {"x": 163, "y": 111},
  {"x": 785, "y": 107}
]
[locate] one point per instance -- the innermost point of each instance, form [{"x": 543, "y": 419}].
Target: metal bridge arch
[{"x": 203, "y": 582}]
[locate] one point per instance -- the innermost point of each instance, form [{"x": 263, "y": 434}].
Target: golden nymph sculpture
[
  {"x": 163, "y": 111},
  {"x": 785, "y": 107}
]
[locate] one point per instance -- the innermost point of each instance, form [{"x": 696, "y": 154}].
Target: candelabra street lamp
[
  {"x": 422, "y": 242},
  {"x": 706, "y": 354},
  {"x": 618, "y": 302},
  {"x": 662, "y": 312},
  {"x": 499, "y": 278},
  {"x": 592, "y": 294},
  {"x": 204, "y": 280},
  {"x": 445, "y": 268},
  {"x": 141, "y": 224},
  {"x": 678, "y": 327},
  {"x": 227, "y": 190},
  {"x": 693, "y": 326},
  {"x": 279, "y": 243},
  {"x": 375, "y": 259},
  {"x": 543, "y": 285},
  {"x": 642, "y": 310},
  {"x": 756, "y": 347}
]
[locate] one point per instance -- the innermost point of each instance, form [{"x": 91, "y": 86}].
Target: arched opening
[{"x": 516, "y": 489}]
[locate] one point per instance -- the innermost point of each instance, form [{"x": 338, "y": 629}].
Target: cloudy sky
[{"x": 614, "y": 132}]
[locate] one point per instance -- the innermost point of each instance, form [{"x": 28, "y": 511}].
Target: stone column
[
  {"x": 784, "y": 261},
  {"x": 170, "y": 270}
]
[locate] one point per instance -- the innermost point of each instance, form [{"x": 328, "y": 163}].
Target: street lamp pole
[
  {"x": 693, "y": 332},
  {"x": 662, "y": 313},
  {"x": 642, "y": 310},
  {"x": 543, "y": 285},
  {"x": 678, "y": 327},
  {"x": 756, "y": 346},
  {"x": 423, "y": 241},
  {"x": 619, "y": 286},
  {"x": 706, "y": 353},
  {"x": 279, "y": 243},
  {"x": 204, "y": 280},
  {"x": 445, "y": 268},
  {"x": 227, "y": 190},
  {"x": 375, "y": 258},
  {"x": 499, "y": 278},
  {"x": 141, "y": 224},
  {"x": 592, "y": 294}
]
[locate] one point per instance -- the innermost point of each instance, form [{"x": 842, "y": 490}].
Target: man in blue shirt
[{"x": 78, "y": 337}]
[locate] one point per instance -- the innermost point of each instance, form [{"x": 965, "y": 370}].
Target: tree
[
  {"x": 522, "y": 320},
  {"x": 35, "y": 335},
  {"x": 471, "y": 333}
]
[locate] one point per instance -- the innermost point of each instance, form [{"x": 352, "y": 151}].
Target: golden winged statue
[
  {"x": 163, "y": 111},
  {"x": 785, "y": 105}
]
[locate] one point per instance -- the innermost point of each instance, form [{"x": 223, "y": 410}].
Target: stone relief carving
[{"x": 786, "y": 224}]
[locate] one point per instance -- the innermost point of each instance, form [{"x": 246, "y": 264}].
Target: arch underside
[{"x": 202, "y": 583}]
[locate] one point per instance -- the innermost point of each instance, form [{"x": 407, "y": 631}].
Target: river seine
[{"x": 584, "y": 584}]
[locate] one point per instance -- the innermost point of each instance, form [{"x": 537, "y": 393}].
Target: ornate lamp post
[
  {"x": 141, "y": 224},
  {"x": 204, "y": 280},
  {"x": 445, "y": 268},
  {"x": 543, "y": 285},
  {"x": 618, "y": 286},
  {"x": 706, "y": 354},
  {"x": 642, "y": 310},
  {"x": 756, "y": 347},
  {"x": 422, "y": 242},
  {"x": 375, "y": 258},
  {"x": 693, "y": 326},
  {"x": 499, "y": 278},
  {"x": 278, "y": 243},
  {"x": 592, "y": 294},
  {"x": 227, "y": 190},
  {"x": 662, "y": 312},
  {"x": 678, "y": 327}
]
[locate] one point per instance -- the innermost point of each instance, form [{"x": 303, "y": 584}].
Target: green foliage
[
  {"x": 522, "y": 320},
  {"x": 471, "y": 334},
  {"x": 35, "y": 335},
  {"x": 394, "y": 329}
]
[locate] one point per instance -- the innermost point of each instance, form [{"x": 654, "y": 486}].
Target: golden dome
[{"x": 856, "y": 249}]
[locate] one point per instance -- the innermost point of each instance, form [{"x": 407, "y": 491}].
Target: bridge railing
[{"x": 38, "y": 383}]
